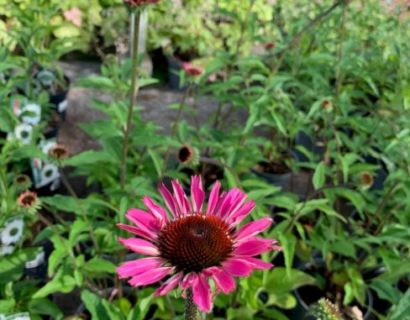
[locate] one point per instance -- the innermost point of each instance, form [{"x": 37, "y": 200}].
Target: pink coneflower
[
  {"x": 192, "y": 70},
  {"x": 27, "y": 199},
  {"x": 193, "y": 244},
  {"x": 137, "y": 3},
  {"x": 269, "y": 45},
  {"x": 186, "y": 154},
  {"x": 58, "y": 152},
  {"x": 75, "y": 16}
]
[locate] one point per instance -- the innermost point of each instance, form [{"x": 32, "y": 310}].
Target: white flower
[
  {"x": 23, "y": 132},
  {"x": 5, "y": 250},
  {"x": 12, "y": 232}
]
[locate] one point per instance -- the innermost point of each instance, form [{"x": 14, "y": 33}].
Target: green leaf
[
  {"x": 93, "y": 304},
  {"x": 44, "y": 306},
  {"x": 344, "y": 248},
  {"x": 60, "y": 283},
  {"x": 280, "y": 281},
  {"x": 55, "y": 259},
  {"x": 358, "y": 285},
  {"x": 143, "y": 306},
  {"x": 7, "y": 305},
  {"x": 96, "y": 82},
  {"x": 158, "y": 163},
  {"x": 79, "y": 226},
  {"x": 288, "y": 243},
  {"x": 319, "y": 176},
  {"x": 89, "y": 157},
  {"x": 402, "y": 310},
  {"x": 64, "y": 203},
  {"x": 99, "y": 265},
  {"x": 354, "y": 197},
  {"x": 386, "y": 290},
  {"x": 284, "y": 301},
  {"x": 12, "y": 266}
]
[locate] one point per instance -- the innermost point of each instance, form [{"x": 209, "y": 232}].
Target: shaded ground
[{"x": 154, "y": 100}]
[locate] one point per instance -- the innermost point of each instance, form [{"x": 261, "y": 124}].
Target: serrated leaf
[
  {"x": 99, "y": 265},
  {"x": 279, "y": 281},
  {"x": 288, "y": 243},
  {"x": 89, "y": 157},
  {"x": 319, "y": 176},
  {"x": 96, "y": 82},
  {"x": 60, "y": 283},
  {"x": 156, "y": 160}
]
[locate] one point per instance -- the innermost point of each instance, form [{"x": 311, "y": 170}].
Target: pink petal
[
  {"x": 141, "y": 217},
  {"x": 258, "y": 264},
  {"x": 188, "y": 280},
  {"x": 144, "y": 233},
  {"x": 169, "y": 200},
  {"x": 144, "y": 221},
  {"x": 241, "y": 214},
  {"x": 213, "y": 198},
  {"x": 180, "y": 197},
  {"x": 202, "y": 293},
  {"x": 168, "y": 285},
  {"x": 140, "y": 246},
  {"x": 156, "y": 210},
  {"x": 133, "y": 268},
  {"x": 197, "y": 193},
  {"x": 223, "y": 280},
  {"x": 150, "y": 276},
  {"x": 253, "y": 228},
  {"x": 253, "y": 247},
  {"x": 237, "y": 267},
  {"x": 233, "y": 200}
]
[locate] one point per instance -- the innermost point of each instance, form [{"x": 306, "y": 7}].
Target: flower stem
[
  {"x": 191, "y": 311},
  {"x": 133, "y": 94},
  {"x": 174, "y": 129}
]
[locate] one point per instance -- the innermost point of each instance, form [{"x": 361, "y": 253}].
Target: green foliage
[{"x": 314, "y": 127}]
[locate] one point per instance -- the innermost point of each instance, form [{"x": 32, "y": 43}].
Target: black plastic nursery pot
[
  {"x": 59, "y": 99},
  {"x": 37, "y": 267},
  {"x": 306, "y": 296},
  {"x": 58, "y": 96},
  {"x": 295, "y": 182},
  {"x": 174, "y": 69},
  {"x": 312, "y": 145}
]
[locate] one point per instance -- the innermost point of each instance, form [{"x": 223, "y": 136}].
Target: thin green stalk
[
  {"x": 191, "y": 310},
  {"x": 133, "y": 96},
  {"x": 175, "y": 126}
]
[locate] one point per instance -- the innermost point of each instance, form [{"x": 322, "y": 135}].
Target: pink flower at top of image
[
  {"x": 192, "y": 70},
  {"x": 401, "y": 7},
  {"x": 137, "y": 3},
  {"x": 74, "y": 15},
  {"x": 269, "y": 45},
  {"x": 191, "y": 243}
]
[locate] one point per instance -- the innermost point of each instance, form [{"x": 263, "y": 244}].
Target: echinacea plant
[
  {"x": 29, "y": 201},
  {"x": 139, "y": 3},
  {"x": 325, "y": 310},
  {"x": 192, "y": 70},
  {"x": 192, "y": 244}
]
